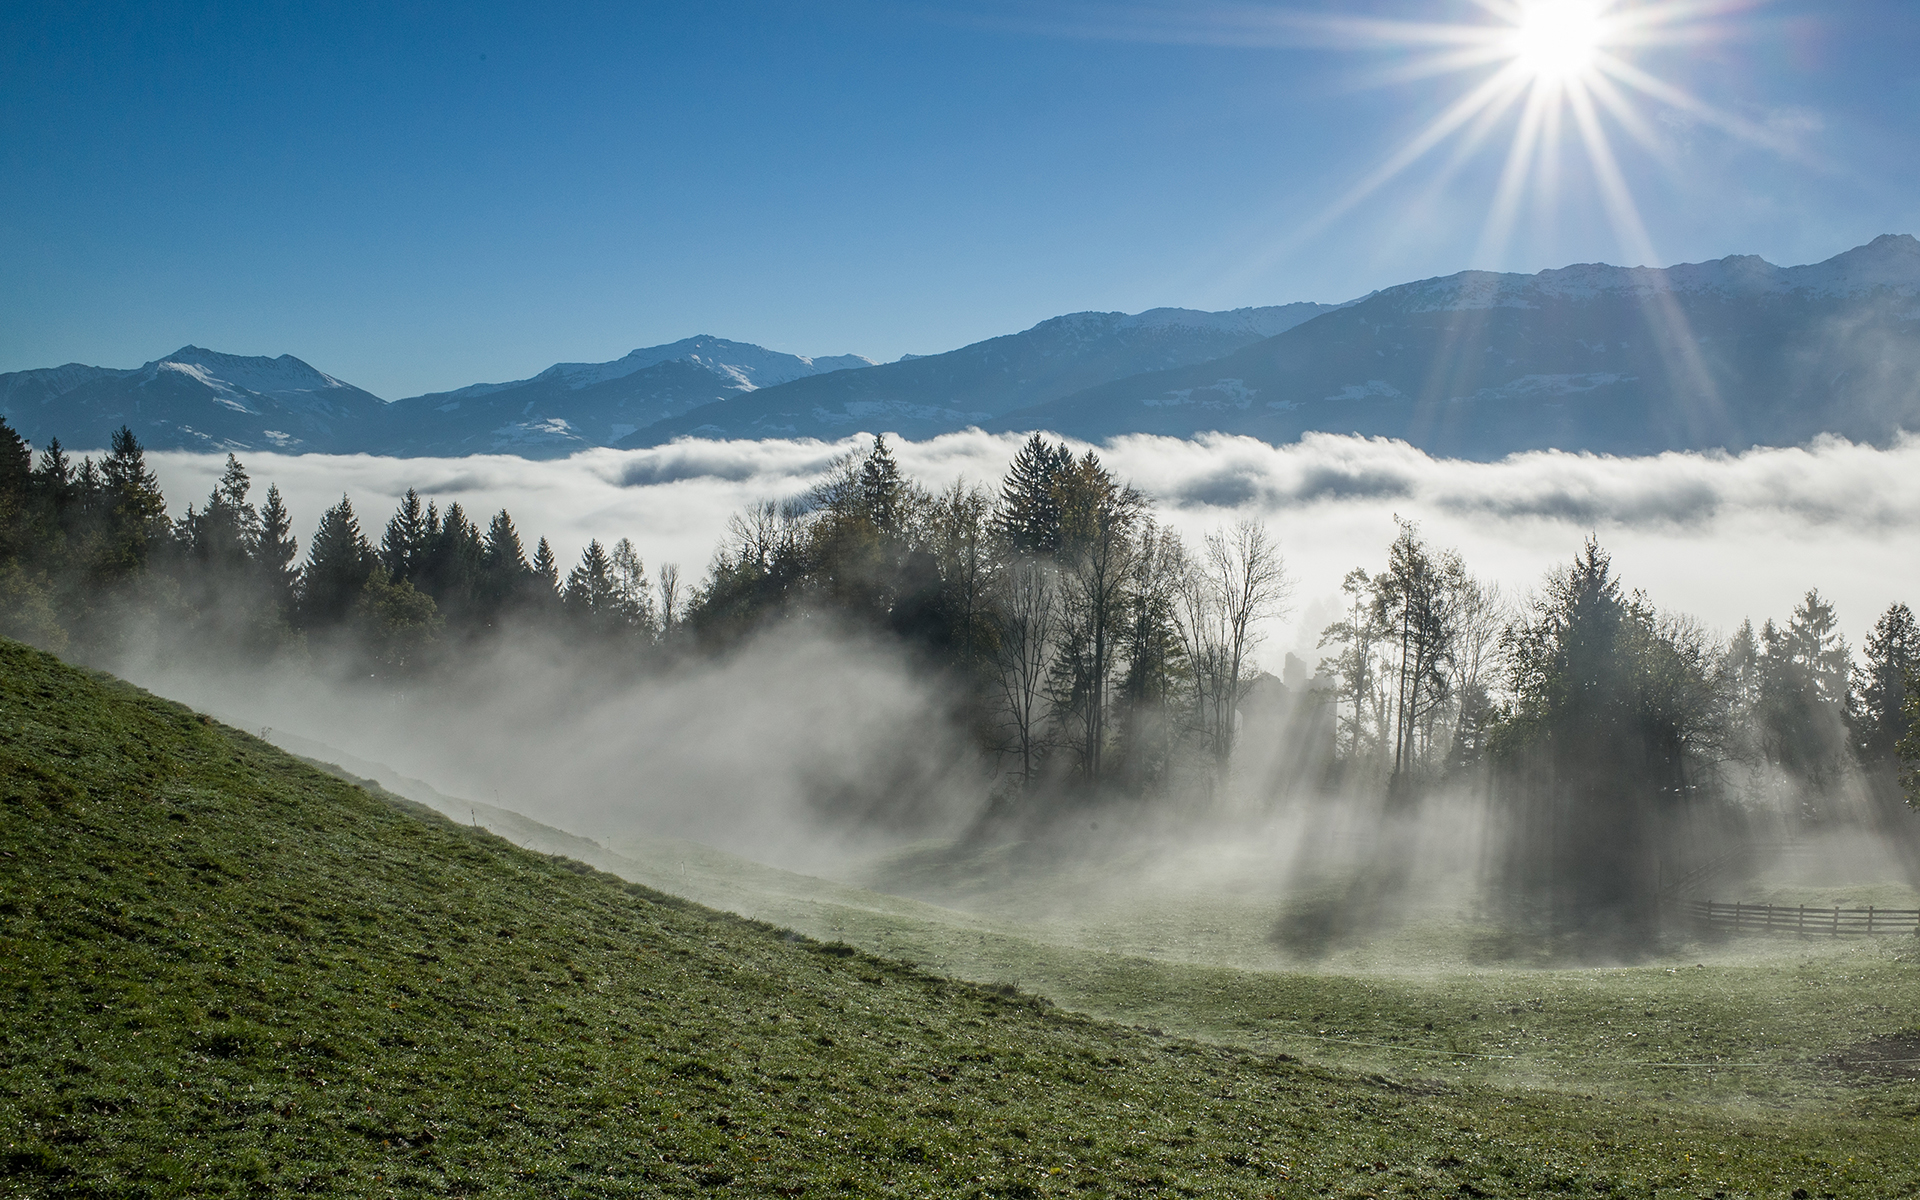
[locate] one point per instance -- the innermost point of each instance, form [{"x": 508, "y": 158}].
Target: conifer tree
[
  {"x": 16, "y": 485},
  {"x": 504, "y": 572},
  {"x": 403, "y": 546},
  {"x": 591, "y": 591},
  {"x": 1884, "y": 681},
  {"x": 224, "y": 535},
  {"x": 451, "y": 572},
  {"x": 1805, "y": 694},
  {"x": 882, "y": 490},
  {"x": 274, "y": 555},
  {"x": 55, "y": 473},
  {"x": 546, "y": 568},
  {"x": 136, "y": 512},
  {"x": 1029, "y": 513},
  {"x": 338, "y": 563},
  {"x": 1614, "y": 713}
]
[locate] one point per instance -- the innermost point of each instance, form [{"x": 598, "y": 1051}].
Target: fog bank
[{"x": 1724, "y": 537}]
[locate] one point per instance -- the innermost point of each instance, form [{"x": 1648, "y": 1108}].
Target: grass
[{"x": 225, "y": 971}]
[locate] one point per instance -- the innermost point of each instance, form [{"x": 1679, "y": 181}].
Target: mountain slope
[
  {"x": 920, "y": 397},
  {"x": 192, "y": 399},
  {"x": 230, "y": 973},
  {"x": 1726, "y": 354},
  {"x": 570, "y": 406}
]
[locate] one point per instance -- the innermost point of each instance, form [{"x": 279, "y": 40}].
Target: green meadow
[{"x": 225, "y": 970}]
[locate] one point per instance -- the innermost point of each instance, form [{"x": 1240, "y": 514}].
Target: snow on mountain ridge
[
  {"x": 746, "y": 365},
  {"x": 231, "y": 373}
]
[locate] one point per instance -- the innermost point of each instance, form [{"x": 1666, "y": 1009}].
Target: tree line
[
  {"x": 89, "y": 557},
  {"x": 1089, "y": 647},
  {"x": 1084, "y": 643},
  {"x": 1609, "y": 733}
]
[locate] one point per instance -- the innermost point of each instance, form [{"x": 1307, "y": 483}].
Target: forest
[{"x": 1093, "y": 656}]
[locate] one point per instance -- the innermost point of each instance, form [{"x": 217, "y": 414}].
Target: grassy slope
[{"x": 222, "y": 970}]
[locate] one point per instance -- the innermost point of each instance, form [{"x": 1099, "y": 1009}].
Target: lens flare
[
  {"x": 1561, "y": 78},
  {"x": 1558, "y": 39}
]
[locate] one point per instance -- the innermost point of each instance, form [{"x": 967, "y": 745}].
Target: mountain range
[{"x": 1725, "y": 354}]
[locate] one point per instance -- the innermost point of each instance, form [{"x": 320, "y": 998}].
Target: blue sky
[{"x": 418, "y": 196}]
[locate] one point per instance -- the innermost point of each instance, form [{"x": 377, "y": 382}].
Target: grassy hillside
[
  {"x": 223, "y": 971},
  {"x": 1714, "y": 1021}
]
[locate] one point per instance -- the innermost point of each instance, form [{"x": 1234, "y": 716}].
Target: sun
[
  {"x": 1558, "y": 40},
  {"x": 1559, "y": 78}
]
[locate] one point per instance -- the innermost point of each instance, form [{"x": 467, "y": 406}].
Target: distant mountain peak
[
  {"x": 247, "y": 373},
  {"x": 1890, "y": 261},
  {"x": 741, "y": 365}
]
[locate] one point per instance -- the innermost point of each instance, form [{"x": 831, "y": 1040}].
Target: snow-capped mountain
[
  {"x": 1724, "y": 354},
  {"x": 920, "y": 396},
  {"x": 192, "y": 399},
  {"x": 570, "y": 406}
]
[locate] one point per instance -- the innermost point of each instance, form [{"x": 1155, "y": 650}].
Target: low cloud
[{"x": 1723, "y": 536}]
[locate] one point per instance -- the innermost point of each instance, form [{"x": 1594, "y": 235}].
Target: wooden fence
[{"x": 1786, "y": 918}]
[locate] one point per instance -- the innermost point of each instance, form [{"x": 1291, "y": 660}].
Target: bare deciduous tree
[
  {"x": 1027, "y": 600},
  {"x": 1240, "y": 580},
  {"x": 671, "y": 596}
]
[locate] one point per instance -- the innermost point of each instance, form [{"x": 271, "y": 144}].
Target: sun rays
[{"x": 1560, "y": 76}]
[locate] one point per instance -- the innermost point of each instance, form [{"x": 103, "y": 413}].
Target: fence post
[
  {"x": 1803, "y": 918},
  {"x": 1869, "y": 918},
  {"x": 1769, "y": 918},
  {"x": 1836, "y": 920}
]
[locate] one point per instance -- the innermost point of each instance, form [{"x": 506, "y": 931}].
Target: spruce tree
[
  {"x": 404, "y": 545},
  {"x": 136, "y": 512},
  {"x": 882, "y": 490},
  {"x": 504, "y": 572},
  {"x": 16, "y": 484},
  {"x": 546, "y": 568},
  {"x": 1029, "y": 511},
  {"x": 451, "y": 570},
  {"x": 591, "y": 591},
  {"x": 338, "y": 563},
  {"x": 1805, "y": 694},
  {"x": 1884, "y": 681},
  {"x": 274, "y": 554},
  {"x": 224, "y": 534}
]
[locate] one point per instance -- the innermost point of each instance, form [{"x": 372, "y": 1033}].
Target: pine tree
[
  {"x": 591, "y": 591},
  {"x": 16, "y": 488},
  {"x": 404, "y": 545},
  {"x": 274, "y": 554},
  {"x": 451, "y": 571},
  {"x": 1884, "y": 681},
  {"x": 1805, "y": 694},
  {"x": 338, "y": 563},
  {"x": 1029, "y": 513},
  {"x": 225, "y": 534},
  {"x": 55, "y": 473},
  {"x": 546, "y": 568},
  {"x": 504, "y": 573},
  {"x": 1614, "y": 713},
  {"x": 136, "y": 511},
  {"x": 882, "y": 490}
]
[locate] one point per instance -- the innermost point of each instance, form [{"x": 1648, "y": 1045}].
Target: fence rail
[{"x": 1787, "y": 918}]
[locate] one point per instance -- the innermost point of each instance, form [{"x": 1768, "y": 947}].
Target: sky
[{"x": 418, "y": 196}]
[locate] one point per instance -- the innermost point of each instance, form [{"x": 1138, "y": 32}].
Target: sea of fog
[{"x": 1721, "y": 536}]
